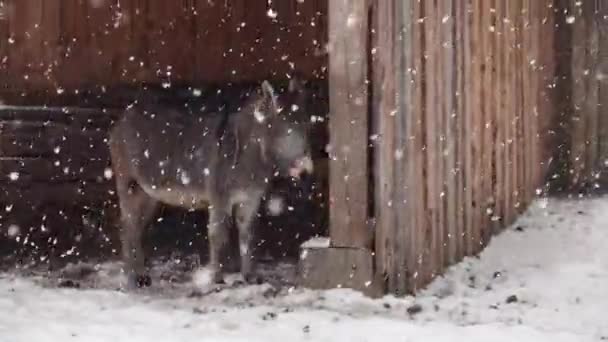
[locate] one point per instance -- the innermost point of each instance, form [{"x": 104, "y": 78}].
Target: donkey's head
[{"x": 286, "y": 123}]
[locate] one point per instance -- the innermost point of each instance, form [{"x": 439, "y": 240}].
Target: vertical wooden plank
[
  {"x": 5, "y": 82},
  {"x": 439, "y": 136},
  {"x": 467, "y": 131},
  {"x": 477, "y": 128},
  {"x": 603, "y": 92},
  {"x": 537, "y": 18},
  {"x": 459, "y": 118},
  {"x": 451, "y": 119},
  {"x": 511, "y": 101},
  {"x": 521, "y": 103},
  {"x": 417, "y": 257},
  {"x": 526, "y": 89},
  {"x": 404, "y": 195},
  {"x": 545, "y": 35},
  {"x": 104, "y": 42},
  {"x": 384, "y": 104},
  {"x": 25, "y": 41},
  {"x": 75, "y": 31},
  {"x": 51, "y": 37},
  {"x": 592, "y": 100},
  {"x": 348, "y": 29},
  {"x": 430, "y": 136},
  {"x": 499, "y": 140},
  {"x": 139, "y": 61},
  {"x": 442, "y": 94},
  {"x": 528, "y": 74},
  {"x": 578, "y": 92},
  {"x": 489, "y": 32},
  {"x": 211, "y": 43}
]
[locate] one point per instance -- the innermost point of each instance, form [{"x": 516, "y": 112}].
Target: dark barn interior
[{"x": 78, "y": 64}]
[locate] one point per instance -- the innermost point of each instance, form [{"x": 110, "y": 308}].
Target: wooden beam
[
  {"x": 328, "y": 268},
  {"x": 348, "y": 124},
  {"x": 347, "y": 260}
]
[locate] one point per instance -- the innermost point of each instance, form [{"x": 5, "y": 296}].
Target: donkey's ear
[
  {"x": 267, "y": 106},
  {"x": 268, "y": 91},
  {"x": 296, "y": 84}
]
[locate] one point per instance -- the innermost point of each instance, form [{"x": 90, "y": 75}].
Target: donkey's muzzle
[{"x": 301, "y": 166}]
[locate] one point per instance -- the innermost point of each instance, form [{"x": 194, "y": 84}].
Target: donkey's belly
[{"x": 178, "y": 196}]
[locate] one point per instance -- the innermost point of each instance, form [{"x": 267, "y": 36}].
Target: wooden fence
[
  {"x": 462, "y": 99},
  {"x": 583, "y": 56},
  {"x": 60, "y": 46}
]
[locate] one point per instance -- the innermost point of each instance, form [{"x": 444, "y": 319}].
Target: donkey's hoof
[
  {"x": 218, "y": 278},
  {"x": 143, "y": 281},
  {"x": 253, "y": 279},
  {"x": 139, "y": 281}
]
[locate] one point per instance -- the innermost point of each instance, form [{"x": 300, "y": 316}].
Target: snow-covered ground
[{"x": 544, "y": 279}]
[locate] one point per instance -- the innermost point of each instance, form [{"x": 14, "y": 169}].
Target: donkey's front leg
[
  {"x": 218, "y": 235},
  {"x": 245, "y": 213}
]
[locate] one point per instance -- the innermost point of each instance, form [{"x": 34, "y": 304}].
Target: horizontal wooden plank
[
  {"x": 61, "y": 168},
  {"x": 55, "y": 114},
  {"x": 38, "y": 195},
  {"x": 37, "y": 139}
]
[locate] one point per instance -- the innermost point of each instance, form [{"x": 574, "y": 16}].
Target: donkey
[{"x": 216, "y": 161}]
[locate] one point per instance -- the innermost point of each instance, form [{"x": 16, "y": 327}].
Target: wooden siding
[
  {"x": 461, "y": 99},
  {"x": 584, "y": 73},
  {"x": 66, "y": 45}
]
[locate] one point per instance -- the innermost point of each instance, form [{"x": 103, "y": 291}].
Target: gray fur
[{"x": 218, "y": 162}]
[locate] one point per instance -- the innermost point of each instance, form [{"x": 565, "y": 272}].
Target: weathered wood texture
[
  {"x": 583, "y": 53},
  {"x": 348, "y": 124},
  {"x": 461, "y": 95},
  {"x": 60, "y": 46},
  {"x": 330, "y": 268},
  {"x": 55, "y": 193}
]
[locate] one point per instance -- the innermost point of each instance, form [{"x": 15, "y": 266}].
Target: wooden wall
[
  {"x": 462, "y": 99},
  {"x": 56, "y": 196},
  {"x": 60, "y": 46},
  {"x": 583, "y": 52}
]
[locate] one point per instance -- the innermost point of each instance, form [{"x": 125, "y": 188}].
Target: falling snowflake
[
  {"x": 275, "y": 206},
  {"x": 185, "y": 178},
  {"x": 13, "y": 230},
  {"x": 271, "y": 13},
  {"x": 107, "y": 173}
]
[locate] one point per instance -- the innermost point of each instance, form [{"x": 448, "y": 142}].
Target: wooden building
[
  {"x": 457, "y": 98},
  {"x": 583, "y": 88},
  {"x": 442, "y": 114}
]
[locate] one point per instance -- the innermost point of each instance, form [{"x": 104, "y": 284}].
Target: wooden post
[
  {"x": 348, "y": 124},
  {"x": 348, "y": 260}
]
